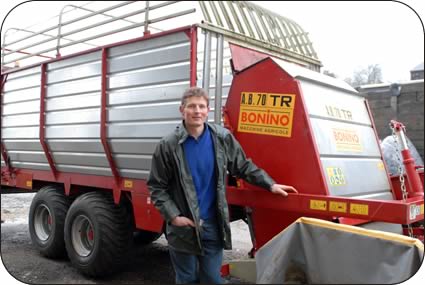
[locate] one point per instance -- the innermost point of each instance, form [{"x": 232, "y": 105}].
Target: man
[{"x": 187, "y": 185}]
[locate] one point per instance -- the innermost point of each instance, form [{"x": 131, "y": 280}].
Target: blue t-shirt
[{"x": 201, "y": 161}]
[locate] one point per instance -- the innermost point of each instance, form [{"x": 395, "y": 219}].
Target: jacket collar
[{"x": 182, "y": 133}]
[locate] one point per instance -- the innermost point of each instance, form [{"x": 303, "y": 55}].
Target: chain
[
  {"x": 400, "y": 166},
  {"x": 401, "y": 175}
]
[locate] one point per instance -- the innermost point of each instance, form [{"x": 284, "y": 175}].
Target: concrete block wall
[{"x": 407, "y": 108}]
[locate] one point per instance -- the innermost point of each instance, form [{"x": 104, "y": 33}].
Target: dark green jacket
[{"x": 173, "y": 191}]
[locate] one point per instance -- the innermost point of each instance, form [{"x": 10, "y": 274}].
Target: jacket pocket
[{"x": 185, "y": 233}]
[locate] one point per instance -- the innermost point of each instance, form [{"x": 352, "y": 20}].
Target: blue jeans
[{"x": 204, "y": 269}]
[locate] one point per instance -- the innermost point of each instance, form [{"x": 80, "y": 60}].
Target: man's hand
[
  {"x": 282, "y": 189},
  {"x": 182, "y": 221}
]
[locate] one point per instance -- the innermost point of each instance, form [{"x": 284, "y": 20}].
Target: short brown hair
[{"x": 197, "y": 92}]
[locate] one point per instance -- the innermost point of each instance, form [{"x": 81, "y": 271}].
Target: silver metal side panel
[
  {"x": 138, "y": 130},
  {"x": 73, "y": 115},
  {"x": 25, "y": 72},
  {"x": 81, "y": 86},
  {"x": 86, "y": 159},
  {"x": 74, "y": 72},
  {"x": 30, "y": 165},
  {"x": 77, "y": 60},
  {"x": 347, "y": 145},
  {"x": 134, "y": 146},
  {"x": 162, "y": 75},
  {"x": 146, "y": 82},
  {"x": 133, "y": 161},
  {"x": 150, "y": 59},
  {"x": 22, "y": 108},
  {"x": 73, "y": 102},
  {"x": 172, "y": 39},
  {"x": 73, "y": 131},
  {"x": 88, "y": 170},
  {"x": 20, "y": 133},
  {"x": 339, "y": 138},
  {"x": 133, "y": 173},
  {"x": 76, "y": 145},
  {"x": 25, "y": 145},
  {"x": 145, "y": 113},
  {"x": 22, "y": 82},
  {"x": 354, "y": 177},
  {"x": 27, "y": 156},
  {"x": 15, "y": 96},
  {"x": 155, "y": 94},
  {"x": 330, "y": 103},
  {"x": 21, "y": 120}
]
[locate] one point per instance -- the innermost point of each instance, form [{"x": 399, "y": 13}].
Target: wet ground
[{"x": 145, "y": 264}]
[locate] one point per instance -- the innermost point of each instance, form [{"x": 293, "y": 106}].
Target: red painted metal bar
[
  {"x": 395, "y": 211},
  {"x": 43, "y": 118},
  {"x": 3, "y": 148},
  {"x": 193, "y": 55},
  {"x": 85, "y": 180},
  {"x": 416, "y": 188},
  {"x": 103, "y": 117}
]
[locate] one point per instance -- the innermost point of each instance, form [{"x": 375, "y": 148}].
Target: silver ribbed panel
[
  {"x": 346, "y": 142},
  {"x": 76, "y": 145},
  {"x": 227, "y": 76},
  {"x": 356, "y": 181},
  {"x": 31, "y": 165},
  {"x": 325, "y": 139},
  {"x": 73, "y": 115},
  {"x": 25, "y": 145},
  {"x": 146, "y": 82},
  {"x": 21, "y": 119}
]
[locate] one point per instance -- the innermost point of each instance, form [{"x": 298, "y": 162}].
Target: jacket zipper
[{"x": 197, "y": 228}]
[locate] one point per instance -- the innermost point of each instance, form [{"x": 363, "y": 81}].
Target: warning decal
[
  {"x": 336, "y": 176},
  {"x": 266, "y": 113}
]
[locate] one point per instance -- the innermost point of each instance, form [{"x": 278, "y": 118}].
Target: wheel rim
[
  {"x": 82, "y": 234},
  {"x": 43, "y": 222}
]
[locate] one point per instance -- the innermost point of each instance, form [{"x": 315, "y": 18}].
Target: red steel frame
[
  {"x": 43, "y": 143},
  {"x": 3, "y": 148},
  {"x": 146, "y": 216},
  {"x": 103, "y": 137}
]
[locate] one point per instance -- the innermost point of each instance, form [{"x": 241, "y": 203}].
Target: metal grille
[{"x": 256, "y": 22}]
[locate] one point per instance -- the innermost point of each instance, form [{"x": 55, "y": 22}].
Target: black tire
[
  {"x": 47, "y": 219},
  {"x": 98, "y": 234},
  {"x": 145, "y": 237}
]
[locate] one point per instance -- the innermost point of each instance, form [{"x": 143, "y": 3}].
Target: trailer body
[{"x": 81, "y": 129}]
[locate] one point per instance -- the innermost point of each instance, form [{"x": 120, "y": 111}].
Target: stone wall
[{"x": 407, "y": 108}]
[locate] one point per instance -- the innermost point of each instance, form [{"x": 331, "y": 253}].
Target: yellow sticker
[
  {"x": 339, "y": 207},
  {"x": 359, "y": 209},
  {"x": 347, "y": 140},
  {"x": 128, "y": 184},
  {"x": 29, "y": 183},
  {"x": 266, "y": 113},
  {"x": 318, "y": 205},
  {"x": 381, "y": 165},
  {"x": 336, "y": 176},
  {"x": 422, "y": 209}
]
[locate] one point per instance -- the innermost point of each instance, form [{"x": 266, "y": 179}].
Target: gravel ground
[{"x": 146, "y": 264}]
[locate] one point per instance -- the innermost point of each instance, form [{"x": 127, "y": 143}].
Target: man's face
[{"x": 195, "y": 111}]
